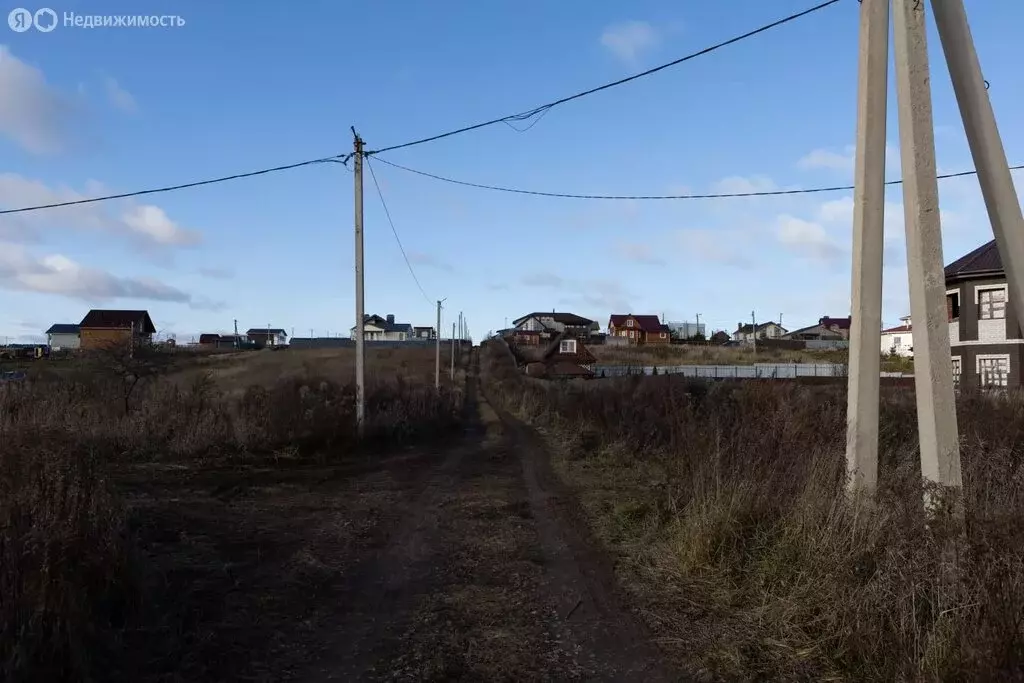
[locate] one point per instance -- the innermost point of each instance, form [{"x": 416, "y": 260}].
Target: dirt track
[{"x": 464, "y": 562}]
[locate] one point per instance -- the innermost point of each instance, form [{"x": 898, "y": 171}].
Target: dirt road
[
  {"x": 486, "y": 577},
  {"x": 461, "y": 562}
]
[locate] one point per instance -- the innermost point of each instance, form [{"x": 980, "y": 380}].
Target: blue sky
[{"x": 94, "y": 111}]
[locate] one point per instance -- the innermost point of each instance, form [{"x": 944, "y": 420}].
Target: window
[
  {"x": 629, "y": 323},
  {"x": 567, "y": 346},
  {"x": 662, "y": 335},
  {"x": 632, "y": 334},
  {"x": 993, "y": 371},
  {"x": 897, "y": 341},
  {"x": 991, "y": 304},
  {"x": 953, "y": 306},
  {"x": 956, "y": 369}
]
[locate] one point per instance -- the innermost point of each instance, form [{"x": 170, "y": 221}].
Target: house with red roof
[{"x": 639, "y": 329}]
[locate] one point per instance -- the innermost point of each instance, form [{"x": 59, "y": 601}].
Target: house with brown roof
[
  {"x": 565, "y": 357},
  {"x": 639, "y": 329},
  {"x": 984, "y": 333},
  {"x": 827, "y": 329},
  {"x": 748, "y": 332},
  {"x": 103, "y": 328}
]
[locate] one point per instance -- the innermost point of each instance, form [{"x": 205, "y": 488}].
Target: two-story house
[
  {"x": 639, "y": 329},
  {"x": 749, "y": 332},
  {"x": 984, "y": 333},
  {"x": 899, "y": 339},
  {"x": 554, "y": 323},
  {"x": 376, "y": 328}
]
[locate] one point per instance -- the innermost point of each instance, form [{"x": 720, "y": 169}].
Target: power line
[
  {"x": 719, "y": 195},
  {"x": 340, "y": 158},
  {"x": 522, "y": 116},
  {"x": 395, "y": 232}
]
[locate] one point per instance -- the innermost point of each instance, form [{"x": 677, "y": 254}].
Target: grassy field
[
  {"x": 686, "y": 354},
  {"x": 162, "y": 532},
  {"x": 723, "y": 504}
]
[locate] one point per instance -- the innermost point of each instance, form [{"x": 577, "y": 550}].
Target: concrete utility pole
[
  {"x": 753, "y": 332},
  {"x": 235, "y": 344},
  {"x": 453, "y": 354},
  {"x": 864, "y": 373},
  {"x": 983, "y": 137},
  {"x": 360, "y": 322},
  {"x": 437, "y": 348},
  {"x": 933, "y": 371}
]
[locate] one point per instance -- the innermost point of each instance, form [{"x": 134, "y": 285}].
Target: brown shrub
[
  {"x": 749, "y": 560},
  {"x": 70, "y": 580}
]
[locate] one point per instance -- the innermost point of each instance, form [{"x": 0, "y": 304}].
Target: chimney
[{"x": 391, "y": 318}]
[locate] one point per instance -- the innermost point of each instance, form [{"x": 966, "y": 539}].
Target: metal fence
[{"x": 756, "y": 371}]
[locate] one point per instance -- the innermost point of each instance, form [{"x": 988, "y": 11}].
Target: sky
[{"x": 86, "y": 112}]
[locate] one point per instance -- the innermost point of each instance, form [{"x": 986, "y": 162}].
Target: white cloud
[
  {"x": 146, "y": 224},
  {"x": 32, "y": 113},
  {"x": 118, "y": 96},
  {"x": 808, "y": 238},
  {"x": 640, "y": 253},
  {"x": 59, "y": 275},
  {"x": 629, "y": 39},
  {"x": 828, "y": 159},
  {"x": 824, "y": 158},
  {"x": 744, "y": 185}
]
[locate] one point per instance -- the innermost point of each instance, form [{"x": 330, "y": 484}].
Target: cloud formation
[
  {"x": 118, "y": 96},
  {"x": 145, "y": 224},
  {"x": 32, "y": 113},
  {"x": 629, "y": 39},
  {"x": 59, "y": 275}
]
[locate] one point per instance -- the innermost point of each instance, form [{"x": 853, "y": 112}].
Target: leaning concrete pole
[
  {"x": 868, "y": 236},
  {"x": 933, "y": 371},
  {"x": 979, "y": 121}
]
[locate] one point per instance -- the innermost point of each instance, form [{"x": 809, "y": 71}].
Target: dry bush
[
  {"x": 727, "y": 501},
  {"x": 70, "y": 580}
]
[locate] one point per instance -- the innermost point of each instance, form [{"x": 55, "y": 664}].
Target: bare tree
[{"x": 130, "y": 364}]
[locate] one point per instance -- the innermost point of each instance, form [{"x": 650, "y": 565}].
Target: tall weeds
[
  {"x": 749, "y": 560},
  {"x": 70, "y": 575}
]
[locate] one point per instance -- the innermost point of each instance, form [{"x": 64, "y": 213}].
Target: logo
[
  {"x": 45, "y": 20},
  {"x": 21, "y": 20}
]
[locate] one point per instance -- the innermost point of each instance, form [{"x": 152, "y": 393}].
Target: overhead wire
[
  {"x": 339, "y": 158},
  {"x": 713, "y": 195},
  {"x": 522, "y": 116},
  {"x": 395, "y": 232}
]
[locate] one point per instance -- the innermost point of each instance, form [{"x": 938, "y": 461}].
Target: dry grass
[
  {"x": 724, "y": 502},
  {"x": 76, "y": 584}
]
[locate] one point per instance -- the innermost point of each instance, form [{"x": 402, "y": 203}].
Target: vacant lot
[
  {"x": 724, "y": 505},
  {"x": 190, "y": 525}
]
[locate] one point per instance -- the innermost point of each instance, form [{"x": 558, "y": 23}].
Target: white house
[
  {"x": 376, "y": 328},
  {"x": 768, "y": 330},
  {"x": 268, "y": 336},
  {"x": 63, "y": 336},
  {"x": 899, "y": 340}
]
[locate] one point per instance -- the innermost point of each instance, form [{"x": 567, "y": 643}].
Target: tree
[{"x": 131, "y": 364}]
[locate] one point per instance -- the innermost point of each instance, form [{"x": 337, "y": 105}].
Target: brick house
[
  {"x": 639, "y": 329},
  {"x": 984, "y": 332},
  {"x": 101, "y": 328}
]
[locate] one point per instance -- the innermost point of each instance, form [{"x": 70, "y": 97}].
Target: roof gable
[
  {"x": 110, "y": 319},
  {"x": 647, "y": 323},
  {"x": 984, "y": 260},
  {"x": 570, "y": 319}
]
